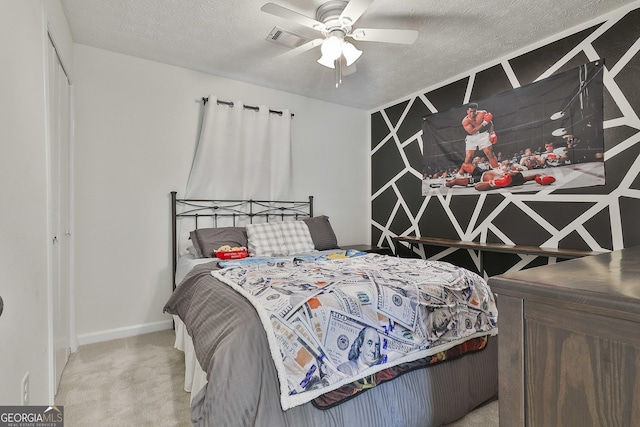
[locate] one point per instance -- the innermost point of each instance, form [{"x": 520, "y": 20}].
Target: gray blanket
[{"x": 231, "y": 346}]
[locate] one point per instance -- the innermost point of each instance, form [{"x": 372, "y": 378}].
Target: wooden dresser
[{"x": 569, "y": 347}]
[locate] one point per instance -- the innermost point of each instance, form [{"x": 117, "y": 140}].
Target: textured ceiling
[{"x": 228, "y": 38}]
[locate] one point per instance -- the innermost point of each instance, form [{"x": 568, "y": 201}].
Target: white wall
[
  {"x": 136, "y": 128},
  {"x": 23, "y": 215}
]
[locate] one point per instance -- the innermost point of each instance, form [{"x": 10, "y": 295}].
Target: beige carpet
[
  {"x": 484, "y": 416},
  {"x": 135, "y": 381},
  {"x": 138, "y": 381}
]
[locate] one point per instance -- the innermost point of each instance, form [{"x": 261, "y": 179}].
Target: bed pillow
[
  {"x": 191, "y": 250},
  {"x": 297, "y": 237},
  {"x": 207, "y": 240},
  {"x": 265, "y": 240},
  {"x": 194, "y": 243},
  {"x": 274, "y": 239},
  {"x": 322, "y": 233}
]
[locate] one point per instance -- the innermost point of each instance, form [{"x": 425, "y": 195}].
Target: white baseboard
[{"x": 125, "y": 332}]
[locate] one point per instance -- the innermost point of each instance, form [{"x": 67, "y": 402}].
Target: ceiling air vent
[{"x": 286, "y": 38}]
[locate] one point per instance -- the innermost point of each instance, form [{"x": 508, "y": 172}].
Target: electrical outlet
[{"x": 24, "y": 398}]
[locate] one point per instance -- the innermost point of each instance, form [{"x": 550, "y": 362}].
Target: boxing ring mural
[
  {"x": 545, "y": 133},
  {"x": 583, "y": 215}
]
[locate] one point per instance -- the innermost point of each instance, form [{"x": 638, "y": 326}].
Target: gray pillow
[
  {"x": 322, "y": 233},
  {"x": 207, "y": 240}
]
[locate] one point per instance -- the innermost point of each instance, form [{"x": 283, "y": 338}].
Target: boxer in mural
[
  {"x": 499, "y": 179},
  {"x": 507, "y": 176},
  {"x": 481, "y": 136},
  {"x": 472, "y": 174}
]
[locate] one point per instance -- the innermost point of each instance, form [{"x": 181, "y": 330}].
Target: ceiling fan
[{"x": 335, "y": 20}]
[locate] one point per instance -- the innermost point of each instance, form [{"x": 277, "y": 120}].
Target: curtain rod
[{"x": 249, "y": 107}]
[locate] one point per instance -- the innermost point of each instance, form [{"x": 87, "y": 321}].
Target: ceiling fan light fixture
[
  {"x": 351, "y": 53},
  {"x": 332, "y": 48},
  {"x": 327, "y": 62}
]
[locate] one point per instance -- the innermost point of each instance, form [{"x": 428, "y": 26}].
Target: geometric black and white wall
[{"x": 592, "y": 218}]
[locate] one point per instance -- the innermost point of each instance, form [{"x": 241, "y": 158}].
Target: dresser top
[{"x": 610, "y": 280}]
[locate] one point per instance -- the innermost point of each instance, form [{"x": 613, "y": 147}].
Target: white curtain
[{"x": 241, "y": 154}]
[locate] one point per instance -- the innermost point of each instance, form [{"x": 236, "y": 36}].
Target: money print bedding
[
  {"x": 243, "y": 379},
  {"x": 330, "y": 323}
]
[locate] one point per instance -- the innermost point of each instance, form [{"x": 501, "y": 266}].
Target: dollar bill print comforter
[
  {"x": 332, "y": 322},
  {"x": 243, "y": 385}
]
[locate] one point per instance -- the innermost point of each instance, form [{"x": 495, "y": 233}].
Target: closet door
[{"x": 59, "y": 216}]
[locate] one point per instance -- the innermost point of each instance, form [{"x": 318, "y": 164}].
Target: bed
[{"x": 281, "y": 338}]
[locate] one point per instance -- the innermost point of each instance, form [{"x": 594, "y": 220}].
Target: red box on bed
[{"x": 236, "y": 254}]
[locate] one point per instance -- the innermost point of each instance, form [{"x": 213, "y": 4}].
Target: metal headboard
[{"x": 232, "y": 213}]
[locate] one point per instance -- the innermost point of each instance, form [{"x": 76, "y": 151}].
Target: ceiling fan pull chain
[{"x": 338, "y": 72}]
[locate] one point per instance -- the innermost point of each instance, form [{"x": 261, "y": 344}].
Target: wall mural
[
  {"x": 600, "y": 217},
  {"x": 545, "y": 133}
]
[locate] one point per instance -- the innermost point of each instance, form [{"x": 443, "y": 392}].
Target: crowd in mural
[{"x": 565, "y": 151}]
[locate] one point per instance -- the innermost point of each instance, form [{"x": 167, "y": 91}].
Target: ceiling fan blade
[
  {"x": 301, "y": 49},
  {"x": 289, "y": 14},
  {"x": 354, "y": 10},
  {"x": 386, "y": 36}
]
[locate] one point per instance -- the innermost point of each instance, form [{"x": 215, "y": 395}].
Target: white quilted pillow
[
  {"x": 265, "y": 240},
  {"x": 276, "y": 239},
  {"x": 297, "y": 237}
]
